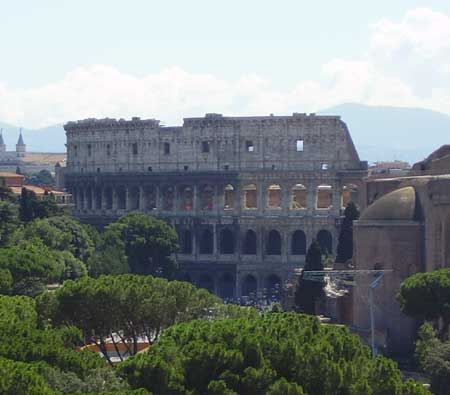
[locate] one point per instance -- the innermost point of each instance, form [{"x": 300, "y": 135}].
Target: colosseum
[{"x": 245, "y": 194}]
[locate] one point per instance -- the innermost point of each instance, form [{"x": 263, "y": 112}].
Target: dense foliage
[
  {"x": 310, "y": 289},
  {"x": 433, "y": 356},
  {"x": 426, "y": 296},
  {"x": 30, "y": 207},
  {"x": 345, "y": 242},
  {"x": 129, "y": 306},
  {"x": 277, "y": 353},
  {"x": 147, "y": 243},
  {"x": 40, "y": 179}
]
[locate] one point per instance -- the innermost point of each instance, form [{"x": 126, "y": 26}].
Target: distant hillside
[
  {"x": 379, "y": 133},
  {"x": 386, "y": 133},
  {"x": 49, "y": 139}
]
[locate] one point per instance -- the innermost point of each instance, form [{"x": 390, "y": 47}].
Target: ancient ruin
[{"x": 247, "y": 195}]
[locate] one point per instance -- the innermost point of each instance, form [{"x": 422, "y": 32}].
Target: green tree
[
  {"x": 127, "y": 306},
  {"x": 426, "y": 296},
  {"x": 345, "y": 242},
  {"x": 30, "y": 207},
  {"x": 61, "y": 233},
  {"x": 433, "y": 356},
  {"x": 42, "y": 178},
  {"x": 21, "y": 378},
  {"x": 147, "y": 242},
  {"x": 6, "y": 193},
  {"x": 9, "y": 221},
  {"x": 31, "y": 265},
  {"x": 274, "y": 353},
  {"x": 310, "y": 288}
]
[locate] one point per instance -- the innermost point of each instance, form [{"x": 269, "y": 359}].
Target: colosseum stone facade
[{"x": 246, "y": 194}]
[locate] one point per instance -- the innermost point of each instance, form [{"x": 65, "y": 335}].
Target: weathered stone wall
[
  {"x": 246, "y": 195},
  {"x": 388, "y": 245}
]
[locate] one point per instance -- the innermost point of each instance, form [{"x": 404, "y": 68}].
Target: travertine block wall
[{"x": 282, "y": 171}]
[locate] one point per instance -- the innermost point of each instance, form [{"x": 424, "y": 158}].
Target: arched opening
[
  {"x": 272, "y": 287},
  {"x": 206, "y": 242},
  {"x": 168, "y": 198},
  {"x": 150, "y": 198},
  {"x": 250, "y": 243},
  {"x": 108, "y": 198},
  {"x": 187, "y": 198},
  {"x": 225, "y": 286},
  {"x": 207, "y": 198},
  {"x": 98, "y": 198},
  {"x": 121, "y": 198},
  {"x": 226, "y": 241},
  {"x": 229, "y": 197},
  {"x": 249, "y": 286},
  {"x": 134, "y": 198},
  {"x": 274, "y": 243},
  {"x": 185, "y": 238},
  {"x": 298, "y": 244},
  {"x": 325, "y": 240},
  {"x": 298, "y": 199},
  {"x": 349, "y": 194},
  {"x": 207, "y": 282},
  {"x": 324, "y": 197},
  {"x": 274, "y": 196},
  {"x": 250, "y": 198},
  {"x": 89, "y": 198}
]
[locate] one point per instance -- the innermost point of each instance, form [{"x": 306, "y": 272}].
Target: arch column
[
  {"x": 104, "y": 203},
  {"x": 127, "y": 199},
  {"x": 196, "y": 198},
  {"x": 336, "y": 197},
  {"x": 260, "y": 196},
  {"x": 114, "y": 198},
  {"x": 142, "y": 199},
  {"x": 284, "y": 246},
  {"x": 311, "y": 197},
  {"x": 94, "y": 198}
]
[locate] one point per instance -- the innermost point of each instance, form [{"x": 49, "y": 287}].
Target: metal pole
[{"x": 372, "y": 322}]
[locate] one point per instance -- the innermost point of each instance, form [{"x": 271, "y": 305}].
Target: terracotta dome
[{"x": 398, "y": 205}]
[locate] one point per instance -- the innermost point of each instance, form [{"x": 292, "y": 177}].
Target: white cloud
[{"x": 408, "y": 64}]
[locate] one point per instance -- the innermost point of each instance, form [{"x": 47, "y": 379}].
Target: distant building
[
  {"x": 27, "y": 162},
  {"x": 15, "y": 182},
  {"x": 406, "y": 229}
]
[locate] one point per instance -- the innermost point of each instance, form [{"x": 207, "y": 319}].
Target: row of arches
[
  {"x": 187, "y": 198},
  {"x": 227, "y": 242}
]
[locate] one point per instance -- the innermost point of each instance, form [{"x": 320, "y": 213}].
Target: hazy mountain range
[{"x": 379, "y": 133}]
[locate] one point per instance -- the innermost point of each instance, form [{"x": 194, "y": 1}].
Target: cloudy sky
[{"x": 64, "y": 60}]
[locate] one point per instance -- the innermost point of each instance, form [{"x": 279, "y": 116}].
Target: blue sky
[{"x": 64, "y": 60}]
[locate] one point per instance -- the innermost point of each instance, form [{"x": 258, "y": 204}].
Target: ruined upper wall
[{"x": 214, "y": 142}]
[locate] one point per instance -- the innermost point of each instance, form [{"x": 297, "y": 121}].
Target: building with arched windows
[{"x": 247, "y": 195}]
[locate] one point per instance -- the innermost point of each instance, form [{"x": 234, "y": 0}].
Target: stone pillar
[
  {"x": 104, "y": 203},
  {"x": 285, "y": 198},
  {"x": 176, "y": 199},
  {"x": 216, "y": 241},
  {"x": 311, "y": 194},
  {"x": 127, "y": 199},
  {"x": 86, "y": 197},
  {"x": 261, "y": 194},
  {"x": 114, "y": 198},
  {"x": 216, "y": 199},
  {"x": 285, "y": 246},
  {"x": 196, "y": 200},
  {"x": 94, "y": 199},
  {"x": 142, "y": 199},
  {"x": 337, "y": 197}
]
